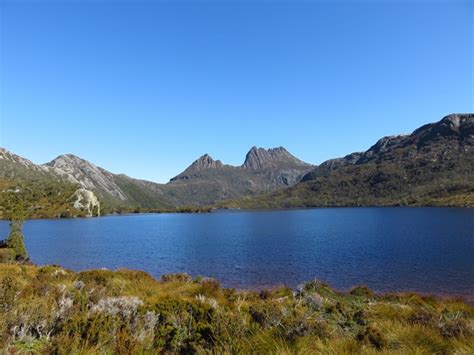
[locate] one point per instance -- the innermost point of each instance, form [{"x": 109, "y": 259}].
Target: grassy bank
[{"x": 53, "y": 310}]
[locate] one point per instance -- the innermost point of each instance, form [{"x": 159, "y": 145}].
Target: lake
[{"x": 428, "y": 250}]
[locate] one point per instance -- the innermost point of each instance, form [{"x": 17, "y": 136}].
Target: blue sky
[{"x": 144, "y": 88}]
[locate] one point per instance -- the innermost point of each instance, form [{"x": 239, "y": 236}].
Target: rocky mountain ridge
[
  {"x": 204, "y": 182},
  {"x": 432, "y": 165}
]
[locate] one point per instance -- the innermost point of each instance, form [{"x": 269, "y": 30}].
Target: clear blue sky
[{"x": 145, "y": 87}]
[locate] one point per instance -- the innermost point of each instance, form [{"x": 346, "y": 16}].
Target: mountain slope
[
  {"x": 203, "y": 183},
  {"x": 432, "y": 166},
  {"x": 88, "y": 175},
  {"x": 207, "y": 180},
  {"x": 115, "y": 190},
  {"x": 33, "y": 189}
]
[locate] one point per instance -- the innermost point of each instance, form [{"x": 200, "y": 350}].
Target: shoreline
[{"x": 218, "y": 209}]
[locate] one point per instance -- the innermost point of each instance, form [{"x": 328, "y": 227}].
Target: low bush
[{"x": 52, "y": 310}]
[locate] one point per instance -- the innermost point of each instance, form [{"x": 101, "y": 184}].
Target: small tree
[{"x": 15, "y": 238}]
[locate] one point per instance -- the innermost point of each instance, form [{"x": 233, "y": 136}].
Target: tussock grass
[{"x": 53, "y": 310}]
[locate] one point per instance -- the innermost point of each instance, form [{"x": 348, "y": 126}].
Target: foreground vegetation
[{"x": 53, "y": 310}]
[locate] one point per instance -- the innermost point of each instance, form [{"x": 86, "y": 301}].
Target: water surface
[{"x": 389, "y": 249}]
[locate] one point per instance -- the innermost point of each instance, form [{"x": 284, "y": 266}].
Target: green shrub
[{"x": 15, "y": 240}]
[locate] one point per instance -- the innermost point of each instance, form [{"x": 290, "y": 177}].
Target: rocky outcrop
[
  {"x": 85, "y": 200},
  {"x": 455, "y": 126},
  {"x": 349, "y": 159}
]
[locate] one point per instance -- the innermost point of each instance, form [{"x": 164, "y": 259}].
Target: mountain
[
  {"x": 78, "y": 184},
  {"x": 203, "y": 163},
  {"x": 207, "y": 181},
  {"x": 432, "y": 166},
  {"x": 115, "y": 190},
  {"x": 42, "y": 194},
  {"x": 86, "y": 174},
  {"x": 271, "y": 159}
]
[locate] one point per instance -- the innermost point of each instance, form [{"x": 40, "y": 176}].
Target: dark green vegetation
[
  {"x": 41, "y": 198},
  {"x": 53, "y": 310},
  {"x": 13, "y": 248},
  {"x": 434, "y": 166},
  {"x": 15, "y": 241},
  {"x": 41, "y": 194}
]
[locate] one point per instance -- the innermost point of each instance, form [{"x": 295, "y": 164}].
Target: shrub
[
  {"x": 15, "y": 240},
  {"x": 124, "y": 307},
  {"x": 52, "y": 310}
]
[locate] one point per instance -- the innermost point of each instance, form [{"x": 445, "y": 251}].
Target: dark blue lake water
[{"x": 420, "y": 249}]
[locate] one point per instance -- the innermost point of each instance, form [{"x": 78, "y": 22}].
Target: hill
[
  {"x": 207, "y": 181},
  {"x": 432, "y": 166}
]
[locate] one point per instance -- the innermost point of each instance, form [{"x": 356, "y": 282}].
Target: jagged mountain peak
[
  {"x": 205, "y": 162},
  {"x": 261, "y": 159}
]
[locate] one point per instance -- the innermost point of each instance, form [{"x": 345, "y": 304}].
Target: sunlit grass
[{"x": 50, "y": 309}]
